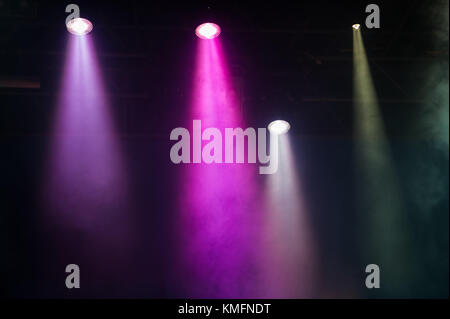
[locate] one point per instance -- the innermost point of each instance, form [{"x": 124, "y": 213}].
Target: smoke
[
  {"x": 426, "y": 175},
  {"x": 430, "y": 183},
  {"x": 434, "y": 122}
]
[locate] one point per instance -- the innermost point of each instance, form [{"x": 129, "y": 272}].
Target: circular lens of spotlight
[
  {"x": 207, "y": 31},
  {"x": 79, "y": 26},
  {"x": 279, "y": 127},
  {"x": 356, "y": 26}
]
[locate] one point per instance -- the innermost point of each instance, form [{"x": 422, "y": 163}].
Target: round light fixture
[
  {"x": 207, "y": 31},
  {"x": 279, "y": 127},
  {"x": 356, "y": 26},
  {"x": 79, "y": 26}
]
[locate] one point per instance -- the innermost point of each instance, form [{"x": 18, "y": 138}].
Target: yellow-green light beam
[{"x": 384, "y": 240}]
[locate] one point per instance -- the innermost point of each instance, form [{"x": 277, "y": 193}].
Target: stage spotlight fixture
[
  {"x": 279, "y": 127},
  {"x": 356, "y": 26},
  {"x": 79, "y": 26},
  {"x": 207, "y": 31}
]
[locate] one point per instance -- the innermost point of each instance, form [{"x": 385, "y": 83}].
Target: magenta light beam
[{"x": 219, "y": 209}]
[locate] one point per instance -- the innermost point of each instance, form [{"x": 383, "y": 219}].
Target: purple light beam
[{"x": 86, "y": 188}]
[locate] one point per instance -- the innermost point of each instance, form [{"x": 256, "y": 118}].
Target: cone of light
[
  {"x": 218, "y": 207},
  {"x": 85, "y": 183},
  {"x": 288, "y": 240},
  {"x": 379, "y": 201}
]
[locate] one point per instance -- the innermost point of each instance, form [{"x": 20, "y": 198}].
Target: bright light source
[
  {"x": 79, "y": 26},
  {"x": 207, "y": 30},
  {"x": 355, "y": 26},
  {"x": 279, "y": 127}
]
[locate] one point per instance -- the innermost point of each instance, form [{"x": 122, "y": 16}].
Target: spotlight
[
  {"x": 279, "y": 127},
  {"x": 355, "y": 26},
  {"x": 207, "y": 31},
  {"x": 79, "y": 26}
]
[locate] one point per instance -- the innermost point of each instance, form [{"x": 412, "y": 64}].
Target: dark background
[{"x": 289, "y": 60}]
